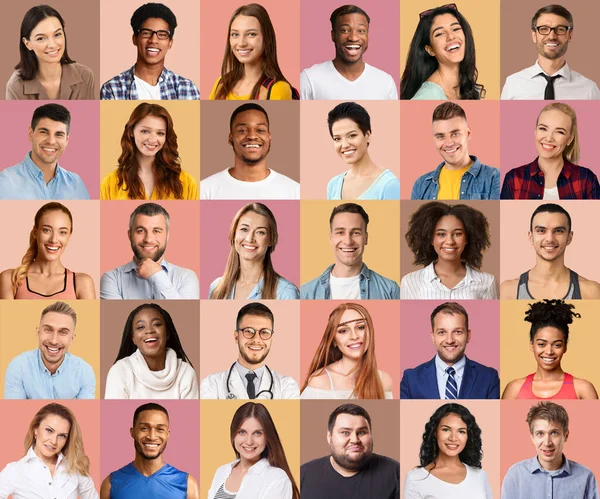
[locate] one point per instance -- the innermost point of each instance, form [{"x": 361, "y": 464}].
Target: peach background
[
  {"x": 24, "y": 316},
  {"x": 418, "y": 153},
  {"x": 381, "y": 253},
  {"x": 118, "y": 52},
  {"x": 87, "y": 413},
  {"x": 517, "y": 253},
  {"x": 485, "y": 23},
  {"x": 581, "y": 445},
  {"x": 183, "y": 246},
  {"x": 114, "y": 313},
  {"x": 323, "y": 162},
  {"x": 218, "y": 349},
  {"x": 416, "y": 413},
  {"x": 186, "y": 123},
  {"x": 216, "y": 447},
  {"x": 491, "y": 259},
  {"x": 284, "y": 125},
  {"x": 386, "y": 323},
  {"x": 83, "y": 252},
  {"x": 213, "y": 38},
  {"x": 518, "y": 361}
]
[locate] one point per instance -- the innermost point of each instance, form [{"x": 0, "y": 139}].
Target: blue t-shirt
[{"x": 129, "y": 483}]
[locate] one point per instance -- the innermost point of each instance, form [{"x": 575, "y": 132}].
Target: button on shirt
[
  {"x": 26, "y": 181},
  {"x": 170, "y": 283},
  {"x": 30, "y": 478},
  {"x": 442, "y": 375},
  {"x": 28, "y": 378},
  {"x": 528, "y": 480}
]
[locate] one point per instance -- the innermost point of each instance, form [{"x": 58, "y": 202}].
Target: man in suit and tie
[{"x": 450, "y": 374}]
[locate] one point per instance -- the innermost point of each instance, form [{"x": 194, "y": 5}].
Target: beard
[
  {"x": 254, "y": 360},
  {"x": 140, "y": 450},
  {"x": 352, "y": 464},
  {"x": 156, "y": 256}
]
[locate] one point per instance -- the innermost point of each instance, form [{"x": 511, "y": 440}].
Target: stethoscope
[{"x": 231, "y": 395}]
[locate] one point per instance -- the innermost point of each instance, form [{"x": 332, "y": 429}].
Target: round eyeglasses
[{"x": 250, "y": 332}]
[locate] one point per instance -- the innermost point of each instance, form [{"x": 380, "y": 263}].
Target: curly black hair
[
  {"x": 421, "y": 229},
  {"x": 550, "y": 313},
  {"x": 472, "y": 452}
]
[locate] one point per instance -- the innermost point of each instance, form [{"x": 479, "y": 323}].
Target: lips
[
  {"x": 451, "y": 151},
  {"x": 244, "y": 52},
  {"x": 53, "y": 53},
  {"x": 348, "y": 250},
  {"x": 255, "y": 348},
  {"x": 53, "y": 350},
  {"x": 355, "y": 346},
  {"x": 252, "y": 146},
  {"x": 152, "y": 51},
  {"x": 353, "y": 48},
  {"x": 452, "y": 47}
]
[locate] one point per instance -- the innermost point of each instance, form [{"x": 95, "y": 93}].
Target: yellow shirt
[
  {"x": 280, "y": 90},
  {"x": 109, "y": 190},
  {"x": 450, "y": 183}
]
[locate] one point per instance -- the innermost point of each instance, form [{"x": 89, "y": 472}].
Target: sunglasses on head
[{"x": 425, "y": 13}]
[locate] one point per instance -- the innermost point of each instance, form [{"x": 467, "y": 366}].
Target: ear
[
  {"x": 230, "y": 139},
  {"x": 30, "y": 135},
  {"x": 533, "y": 35},
  {"x": 566, "y": 435},
  {"x": 429, "y": 50},
  {"x": 531, "y": 346},
  {"x": 328, "y": 438},
  {"x": 131, "y": 432},
  {"x": 332, "y": 36},
  {"x": 366, "y": 238},
  {"x": 27, "y": 43},
  {"x": 170, "y": 43},
  {"x": 530, "y": 237},
  {"x": 468, "y": 132},
  {"x": 468, "y": 335},
  {"x": 236, "y": 335},
  {"x": 570, "y": 238},
  {"x": 134, "y": 39}
]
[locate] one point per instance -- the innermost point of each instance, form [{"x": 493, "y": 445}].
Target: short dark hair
[
  {"x": 149, "y": 210},
  {"x": 52, "y": 111},
  {"x": 351, "y": 111},
  {"x": 550, "y": 208},
  {"x": 254, "y": 308},
  {"x": 249, "y": 106},
  {"x": 153, "y": 10},
  {"x": 349, "y": 208},
  {"x": 549, "y": 411},
  {"x": 447, "y": 111},
  {"x": 346, "y": 9},
  {"x": 150, "y": 406},
  {"x": 352, "y": 409},
  {"x": 555, "y": 9},
  {"x": 450, "y": 308}
]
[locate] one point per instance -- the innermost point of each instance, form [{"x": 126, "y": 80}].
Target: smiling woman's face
[
  {"x": 150, "y": 333},
  {"x": 47, "y": 40},
  {"x": 446, "y": 40}
]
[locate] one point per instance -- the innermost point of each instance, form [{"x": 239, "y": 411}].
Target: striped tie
[{"x": 451, "y": 387}]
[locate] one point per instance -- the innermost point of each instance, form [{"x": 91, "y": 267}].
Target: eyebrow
[
  {"x": 263, "y": 123},
  {"x": 50, "y": 227},
  {"x": 346, "y": 228},
  {"x": 554, "y": 228},
  {"x": 159, "y": 425},
  {"x": 342, "y": 428},
  {"x": 557, "y": 128},
  {"x": 44, "y": 34},
  {"x": 348, "y": 322},
  {"x": 449, "y": 427},
  {"x": 442, "y": 27},
  {"x": 146, "y": 127},
  {"x": 248, "y": 225}
]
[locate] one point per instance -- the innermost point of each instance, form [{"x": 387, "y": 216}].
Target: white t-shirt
[
  {"x": 551, "y": 194},
  {"x": 146, "y": 91},
  {"x": 420, "y": 484},
  {"x": 344, "y": 288},
  {"x": 223, "y": 186},
  {"x": 324, "y": 82}
]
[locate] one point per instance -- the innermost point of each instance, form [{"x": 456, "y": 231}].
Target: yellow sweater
[
  {"x": 280, "y": 91},
  {"x": 109, "y": 190}
]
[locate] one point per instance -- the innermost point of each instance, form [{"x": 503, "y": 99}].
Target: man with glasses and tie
[
  {"x": 450, "y": 374},
  {"x": 550, "y": 77},
  {"x": 249, "y": 377},
  {"x": 153, "y": 27}
]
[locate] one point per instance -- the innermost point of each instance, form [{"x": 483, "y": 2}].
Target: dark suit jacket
[{"x": 478, "y": 382}]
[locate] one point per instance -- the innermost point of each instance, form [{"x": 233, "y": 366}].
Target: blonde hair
[
  {"x": 571, "y": 152},
  {"x": 32, "y": 252},
  {"x": 60, "y": 307},
  {"x": 75, "y": 460}
]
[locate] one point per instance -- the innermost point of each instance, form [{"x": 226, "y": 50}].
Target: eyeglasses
[
  {"x": 425, "y": 13},
  {"x": 161, "y": 34},
  {"x": 250, "y": 332},
  {"x": 559, "y": 30}
]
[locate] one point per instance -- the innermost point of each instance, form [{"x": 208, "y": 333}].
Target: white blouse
[{"x": 420, "y": 484}]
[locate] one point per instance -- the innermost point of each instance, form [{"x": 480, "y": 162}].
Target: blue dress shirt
[
  {"x": 442, "y": 376},
  {"x": 28, "y": 378},
  {"x": 286, "y": 290},
  {"x": 26, "y": 181}
]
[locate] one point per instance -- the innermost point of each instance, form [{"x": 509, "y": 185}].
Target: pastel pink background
[
  {"x": 117, "y": 52},
  {"x": 87, "y": 413},
  {"x": 386, "y": 322},
  {"x": 183, "y": 247},
  {"x": 216, "y": 218},
  {"x": 82, "y": 153},
  {"x": 218, "y": 349},
  {"x": 582, "y": 445},
  {"x": 323, "y": 163},
  {"x": 213, "y": 38},
  {"x": 418, "y": 154},
  {"x": 117, "y": 444},
  {"x": 83, "y": 252},
  {"x": 384, "y": 34},
  {"x": 415, "y": 332},
  {"x": 415, "y": 414},
  {"x": 518, "y": 128},
  {"x": 517, "y": 253}
]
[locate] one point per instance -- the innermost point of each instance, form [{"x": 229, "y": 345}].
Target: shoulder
[
  {"x": 273, "y": 473},
  {"x": 383, "y": 279},
  {"x": 84, "y": 71},
  {"x": 10, "y": 474},
  {"x": 520, "y": 465},
  {"x": 72, "y": 176},
  {"x": 283, "y": 180},
  {"x": 584, "y": 389},
  {"x": 388, "y": 464},
  {"x": 478, "y": 474},
  {"x": 490, "y": 171},
  {"x": 111, "y": 178},
  {"x": 213, "y": 285},
  {"x": 430, "y": 91},
  {"x": 481, "y": 367},
  {"x": 317, "y": 69},
  {"x": 508, "y": 289},
  {"x": 484, "y": 276},
  {"x": 512, "y": 389},
  {"x": 186, "y": 178},
  {"x": 320, "y": 381},
  {"x": 578, "y": 467},
  {"x": 518, "y": 172},
  {"x": 417, "y": 474},
  {"x": 6, "y": 276},
  {"x": 281, "y": 90},
  {"x": 84, "y": 279},
  {"x": 22, "y": 359},
  {"x": 386, "y": 381},
  {"x": 378, "y": 73},
  {"x": 317, "y": 464},
  {"x": 589, "y": 289},
  {"x": 215, "y": 178},
  {"x": 287, "y": 290},
  {"x": 15, "y": 83},
  {"x": 418, "y": 369}
]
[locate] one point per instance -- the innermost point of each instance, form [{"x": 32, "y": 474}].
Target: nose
[
  {"x": 249, "y": 236},
  {"x": 54, "y": 338}
]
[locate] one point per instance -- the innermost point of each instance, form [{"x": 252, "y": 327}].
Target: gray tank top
[{"x": 573, "y": 293}]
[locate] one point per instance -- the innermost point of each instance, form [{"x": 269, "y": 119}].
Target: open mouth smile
[{"x": 453, "y": 47}]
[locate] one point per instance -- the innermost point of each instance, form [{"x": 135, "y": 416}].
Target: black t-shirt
[{"x": 380, "y": 479}]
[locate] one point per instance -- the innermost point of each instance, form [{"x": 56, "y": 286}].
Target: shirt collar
[
  {"x": 243, "y": 371},
  {"x": 429, "y": 275},
  {"x": 69, "y": 78},
  {"x": 459, "y": 366},
  {"x": 257, "y": 468},
  {"x": 534, "y": 169},
  {"x": 365, "y": 273},
  {"x": 536, "y": 69},
  {"x": 60, "y": 368},
  {"x": 533, "y": 466},
  {"x": 32, "y": 455},
  {"x": 165, "y": 73},
  {"x": 33, "y": 170},
  {"x": 474, "y": 170},
  {"x": 131, "y": 266}
]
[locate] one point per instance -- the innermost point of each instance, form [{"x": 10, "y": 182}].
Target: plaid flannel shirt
[{"x": 172, "y": 87}]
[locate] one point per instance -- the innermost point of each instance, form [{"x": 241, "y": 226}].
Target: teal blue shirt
[
  {"x": 386, "y": 186},
  {"x": 430, "y": 91}
]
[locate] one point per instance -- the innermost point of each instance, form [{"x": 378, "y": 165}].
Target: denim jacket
[
  {"x": 478, "y": 182},
  {"x": 372, "y": 286}
]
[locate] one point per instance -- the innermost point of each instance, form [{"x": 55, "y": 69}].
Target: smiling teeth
[
  {"x": 53, "y": 350},
  {"x": 347, "y": 153},
  {"x": 252, "y": 146},
  {"x": 348, "y": 250},
  {"x": 452, "y": 47}
]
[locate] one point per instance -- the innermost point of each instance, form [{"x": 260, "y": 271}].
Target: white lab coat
[{"x": 214, "y": 386}]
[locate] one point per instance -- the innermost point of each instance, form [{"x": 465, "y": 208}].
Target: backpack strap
[{"x": 264, "y": 93}]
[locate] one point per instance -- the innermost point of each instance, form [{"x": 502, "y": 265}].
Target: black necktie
[
  {"x": 549, "y": 92},
  {"x": 251, "y": 390}
]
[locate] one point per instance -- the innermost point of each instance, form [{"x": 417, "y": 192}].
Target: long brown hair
[
  {"x": 75, "y": 460},
  {"x": 232, "y": 268},
  {"x": 167, "y": 163},
  {"x": 32, "y": 252},
  {"x": 273, "y": 452},
  {"x": 368, "y": 383},
  {"x": 232, "y": 70}
]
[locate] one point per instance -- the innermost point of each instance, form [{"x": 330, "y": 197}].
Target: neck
[
  {"x": 349, "y": 71},
  {"x": 250, "y": 271},
  {"x": 253, "y": 72},
  {"x": 342, "y": 471},
  {"x": 53, "y": 367},
  {"x": 48, "y": 170},
  {"x": 556, "y": 465},
  {"x": 448, "y": 267},
  {"x": 147, "y": 467},
  {"x": 347, "y": 366},
  {"x": 365, "y": 167},
  {"x": 244, "y": 464},
  {"x": 551, "y": 66},
  {"x": 47, "y": 268},
  {"x": 145, "y": 164},
  {"x": 49, "y": 72},
  {"x": 466, "y": 161},
  {"x": 149, "y": 73},
  {"x": 251, "y": 367},
  {"x": 48, "y": 461},
  {"x": 552, "y": 375},
  {"x": 554, "y": 165},
  {"x": 549, "y": 271},
  {"x": 443, "y": 461},
  {"x": 156, "y": 363},
  {"x": 449, "y": 75},
  {"x": 249, "y": 173},
  {"x": 341, "y": 270}
]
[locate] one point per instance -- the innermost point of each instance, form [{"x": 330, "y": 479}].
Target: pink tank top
[
  {"x": 67, "y": 293},
  {"x": 567, "y": 390}
]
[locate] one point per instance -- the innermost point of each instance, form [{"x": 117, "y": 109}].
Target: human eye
[
  {"x": 242, "y": 432},
  {"x": 362, "y": 31},
  {"x": 262, "y": 130},
  {"x": 457, "y": 28},
  {"x": 462, "y": 431},
  {"x": 45, "y": 230},
  {"x": 343, "y": 330},
  {"x": 345, "y": 432},
  {"x": 362, "y": 327},
  {"x": 161, "y": 134},
  {"x": 261, "y": 232},
  {"x": 139, "y": 327},
  {"x": 160, "y": 430},
  {"x": 243, "y": 229},
  {"x": 258, "y": 433}
]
